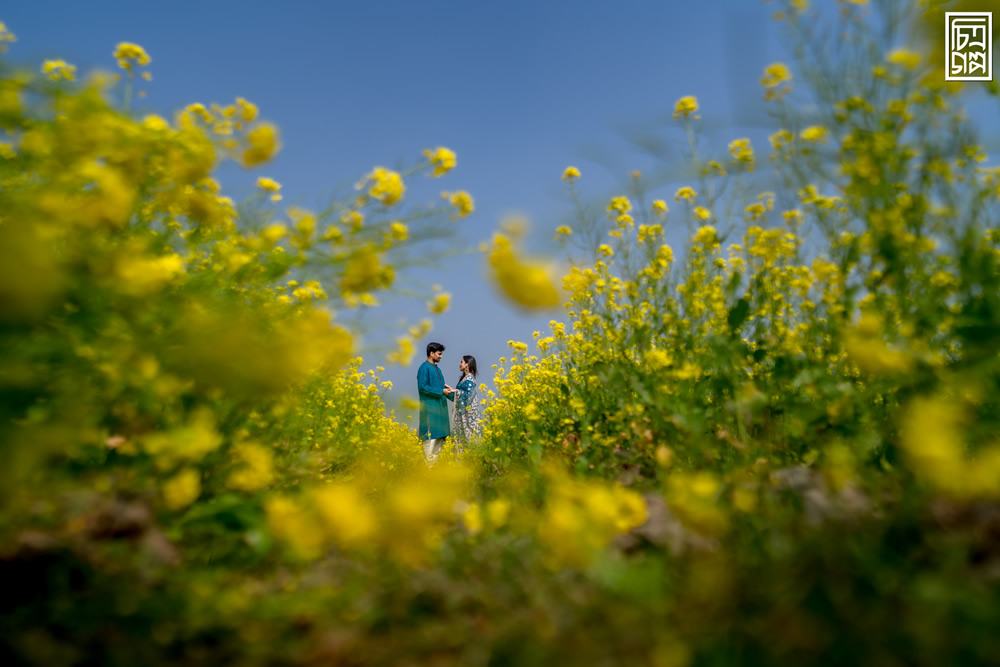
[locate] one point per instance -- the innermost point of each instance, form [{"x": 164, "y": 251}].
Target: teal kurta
[{"x": 434, "y": 421}]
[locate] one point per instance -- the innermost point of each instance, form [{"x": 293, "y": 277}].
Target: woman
[{"x": 467, "y": 409}]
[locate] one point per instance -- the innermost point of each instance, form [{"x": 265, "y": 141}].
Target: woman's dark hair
[
  {"x": 434, "y": 347},
  {"x": 471, "y": 360}
]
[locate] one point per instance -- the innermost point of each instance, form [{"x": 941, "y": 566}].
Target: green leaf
[{"x": 738, "y": 314}]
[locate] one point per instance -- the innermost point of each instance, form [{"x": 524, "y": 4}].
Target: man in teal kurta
[{"x": 434, "y": 396}]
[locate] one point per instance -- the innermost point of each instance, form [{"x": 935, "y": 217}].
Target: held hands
[{"x": 448, "y": 390}]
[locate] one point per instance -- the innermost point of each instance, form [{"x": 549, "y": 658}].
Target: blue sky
[{"x": 519, "y": 90}]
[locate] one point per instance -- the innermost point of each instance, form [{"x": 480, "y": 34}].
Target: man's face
[{"x": 436, "y": 356}]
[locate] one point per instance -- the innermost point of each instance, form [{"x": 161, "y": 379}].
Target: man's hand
[{"x": 448, "y": 390}]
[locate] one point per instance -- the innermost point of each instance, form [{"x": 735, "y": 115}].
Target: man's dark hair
[{"x": 434, "y": 347}]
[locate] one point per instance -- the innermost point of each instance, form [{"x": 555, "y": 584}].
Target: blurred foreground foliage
[{"x": 777, "y": 444}]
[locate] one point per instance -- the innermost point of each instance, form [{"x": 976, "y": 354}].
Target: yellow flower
[
  {"x": 461, "y": 200},
  {"x": 443, "y": 160},
  {"x": 815, "y": 133},
  {"x": 620, "y": 205},
  {"x": 353, "y": 219},
  {"x": 605, "y": 250},
  {"x": 775, "y": 74},
  {"x": 571, "y": 174},
  {"x": 142, "y": 275},
  {"x": 866, "y": 348},
  {"x": 780, "y": 139},
  {"x": 248, "y": 110},
  {"x": 527, "y": 284},
  {"x": 256, "y": 468},
  {"x": 398, "y": 231},
  {"x": 59, "y": 69},
  {"x": 702, "y": 213},
  {"x": 182, "y": 489},
  {"x": 705, "y": 235},
  {"x": 905, "y": 58},
  {"x": 741, "y": 150},
  {"x": 440, "y": 303},
  {"x": 262, "y": 145},
  {"x": 686, "y": 106},
  {"x": 155, "y": 123},
  {"x": 346, "y": 514},
  {"x": 6, "y": 36},
  {"x": 402, "y": 355},
  {"x": 129, "y": 55},
  {"x": 386, "y": 185},
  {"x": 686, "y": 193},
  {"x": 365, "y": 272},
  {"x": 270, "y": 185},
  {"x": 659, "y": 207},
  {"x": 274, "y": 233}
]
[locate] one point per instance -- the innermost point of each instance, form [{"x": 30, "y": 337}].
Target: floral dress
[{"x": 467, "y": 410}]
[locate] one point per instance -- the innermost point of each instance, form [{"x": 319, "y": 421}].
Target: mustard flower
[
  {"x": 563, "y": 230},
  {"x": 775, "y": 74},
  {"x": 440, "y": 303},
  {"x": 346, "y": 515},
  {"x": 59, "y": 69},
  {"x": 571, "y": 174},
  {"x": 262, "y": 145},
  {"x": 182, "y": 489},
  {"x": 398, "y": 231},
  {"x": 686, "y": 193},
  {"x": 270, "y": 185},
  {"x": 815, "y": 133},
  {"x": 605, "y": 250},
  {"x": 6, "y": 37},
  {"x": 443, "y": 160},
  {"x": 702, "y": 213},
  {"x": 659, "y": 207},
  {"x": 741, "y": 150},
  {"x": 793, "y": 216},
  {"x": 705, "y": 235},
  {"x": 525, "y": 283},
  {"x": 620, "y": 205},
  {"x": 248, "y": 110},
  {"x": 129, "y": 55},
  {"x": 256, "y": 470},
  {"x": 780, "y": 139},
  {"x": 155, "y": 123},
  {"x": 686, "y": 106},
  {"x": 461, "y": 200},
  {"x": 905, "y": 58},
  {"x": 386, "y": 185}
]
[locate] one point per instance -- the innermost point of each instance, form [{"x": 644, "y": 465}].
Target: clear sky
[{"x": 518, "y": 89}]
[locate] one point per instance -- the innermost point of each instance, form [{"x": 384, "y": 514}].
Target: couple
[{"x": 435, "y": 426}]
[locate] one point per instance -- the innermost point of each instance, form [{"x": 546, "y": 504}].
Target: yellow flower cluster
[
  {"x": 59, "y": 70},
  {"x": 527, "y": 284},
  {"x": 442, "y": 159}
]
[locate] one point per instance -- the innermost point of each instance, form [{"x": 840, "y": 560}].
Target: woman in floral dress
[{"x": 467, "y": 409}]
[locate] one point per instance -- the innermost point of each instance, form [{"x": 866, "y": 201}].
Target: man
[{"x": 435, "y": 426}]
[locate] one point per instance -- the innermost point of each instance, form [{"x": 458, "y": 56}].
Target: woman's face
[{"x": 462, "y": 366}]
